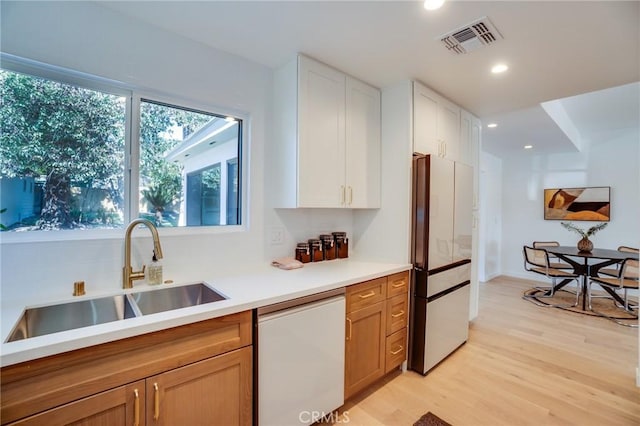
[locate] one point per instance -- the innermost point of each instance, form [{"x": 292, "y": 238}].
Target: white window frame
[{"x": 133, "y": 95}]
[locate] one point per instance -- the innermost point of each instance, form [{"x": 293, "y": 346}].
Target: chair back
[
  {"x": 626, "y": 249},
  {"x": 629, "y": 270},
  {"x": 536, "y": 257},
  {"x": 542, "y": 244}
]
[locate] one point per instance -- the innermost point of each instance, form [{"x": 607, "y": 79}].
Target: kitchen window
[{"x": 69, "y": 137}]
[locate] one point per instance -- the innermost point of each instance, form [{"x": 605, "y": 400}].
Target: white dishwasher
[{"x": 301, "y": 359}]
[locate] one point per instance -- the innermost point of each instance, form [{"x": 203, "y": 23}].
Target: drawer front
[
  {"x": 366, "y": 294},
  {"x": 398, "y": 284},
  {"x": 396, "y": 349},
  {"x": 397, "y": 313}
]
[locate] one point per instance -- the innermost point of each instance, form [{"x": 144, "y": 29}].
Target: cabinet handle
[
  {"x": 444, "y": 149},
  {"x": 136, "y": 408},
  {"x": 368, "y": 295},
  {"x": 342, "y": 194},
  {"x": 350, "y": 324},
  {"x": 398, "y": 351},
  {"x": 398, "y": 284},
  {"x": 350, "y": 195},
  {"x": 156, "y": 402},
  {"x": 399, "y": 314}
]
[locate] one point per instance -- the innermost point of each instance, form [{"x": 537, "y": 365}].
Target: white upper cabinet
[
  {"x": 470, "y": 128},
  {"x": 362, "y": 165},
  {"x": 436, "y": 124},
  {"x": 321, "y": 132},
  {"x": 327, "y": 138}
]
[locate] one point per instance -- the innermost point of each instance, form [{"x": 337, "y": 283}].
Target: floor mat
[
  {"x": 603, "y": 305},
  {"x": 431, "y": 419}
]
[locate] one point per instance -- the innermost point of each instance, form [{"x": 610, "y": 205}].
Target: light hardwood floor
[{"x": 522, "y": 365}]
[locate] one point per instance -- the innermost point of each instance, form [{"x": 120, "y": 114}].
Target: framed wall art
[{"x": 590, "y": 203}]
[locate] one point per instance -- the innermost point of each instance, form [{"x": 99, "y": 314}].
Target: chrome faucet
[{"x": 128, "y": 275}]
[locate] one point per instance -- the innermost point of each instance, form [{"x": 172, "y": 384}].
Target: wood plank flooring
[{"x": 522, "y": 365}]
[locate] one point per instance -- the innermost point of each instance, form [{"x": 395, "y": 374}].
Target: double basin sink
[{"x": 72, "y": 315}]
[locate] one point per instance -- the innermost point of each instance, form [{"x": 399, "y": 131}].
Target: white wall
[
  {"x": 611, "y": 163},
  {"x": 86, "y": 37},
  {"x": 490, "y": 232}
]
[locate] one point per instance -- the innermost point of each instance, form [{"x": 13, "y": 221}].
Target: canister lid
[
  {"x": 303, "y": 246},
  {"x": 315, "y": 242}
]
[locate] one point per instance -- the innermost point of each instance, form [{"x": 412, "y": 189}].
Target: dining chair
[
  {"x": 613, "y": 272},
  {"x": 555, "y": 261},
  {"x": 626, "y": 279},
  {"x": 537, "y": 260}
]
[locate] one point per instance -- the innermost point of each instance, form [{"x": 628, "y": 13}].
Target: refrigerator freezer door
[
  {"x": 444, "y": 280},
  {"x": 448, "y": 326}
]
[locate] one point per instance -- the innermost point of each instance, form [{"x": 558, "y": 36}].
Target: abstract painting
[{"x": 591, "y": 203}]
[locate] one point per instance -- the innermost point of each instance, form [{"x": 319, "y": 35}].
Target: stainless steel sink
[
  {"x": 169, "y": 298},
  {"x": 68, "y": 316}
]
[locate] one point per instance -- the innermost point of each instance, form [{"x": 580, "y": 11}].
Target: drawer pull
[
  {"x": 156, "y": 402},
  {"x": 398, "y": 284},
  {"x": 136, "y": 408},
  {"x": 396, "y": 352},
  {"x": 368, "y": 295},
  {"x": 399, "y": 314}
]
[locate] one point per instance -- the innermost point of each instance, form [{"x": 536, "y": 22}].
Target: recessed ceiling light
[
  {"x": 492, "y": 125},
  {"x": 499, "y": 68},
  {"x": 528, "y": 146},
  {"x": 433, "y": 4}
]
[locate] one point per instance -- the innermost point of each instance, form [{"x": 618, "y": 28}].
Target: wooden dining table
[{"x": 580, "y": 261}]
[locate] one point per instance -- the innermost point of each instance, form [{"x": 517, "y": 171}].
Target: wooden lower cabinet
[
  {"x": 365, "y": 348},
  {"x": 376, "y": 334},
  {"x": 123, "y": 405},
  {"x": 216, "y": 391},
  {"x": 196, "y": 374}
]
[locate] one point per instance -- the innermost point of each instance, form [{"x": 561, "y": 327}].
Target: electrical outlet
[{"x": 277, "y": 236}]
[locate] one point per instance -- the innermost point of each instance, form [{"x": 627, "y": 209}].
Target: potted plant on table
[{"x": 584, "y": 244}]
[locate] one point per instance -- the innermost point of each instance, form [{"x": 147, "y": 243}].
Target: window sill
[{"x": 7, "y": 238}]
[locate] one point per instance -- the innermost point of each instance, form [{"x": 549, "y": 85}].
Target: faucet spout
[{"x": 128, "y": 274}]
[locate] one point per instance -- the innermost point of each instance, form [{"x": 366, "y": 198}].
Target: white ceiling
[{"x": 554, "y": 50}]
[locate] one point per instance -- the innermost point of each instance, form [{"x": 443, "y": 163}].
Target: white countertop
[{"x": 248, "y": 289}]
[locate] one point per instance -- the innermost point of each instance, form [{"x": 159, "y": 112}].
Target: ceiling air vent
[{"x": 471, "y": 37}]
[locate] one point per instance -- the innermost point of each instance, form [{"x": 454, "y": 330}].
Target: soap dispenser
[{"x": 154, "y": 271}]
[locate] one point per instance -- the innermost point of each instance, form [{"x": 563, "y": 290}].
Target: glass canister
[
  {"x": 316, "y": 250},
  {"x": 328, "y": 246},
  {"x": 303, "y": 253},
  {"x": 342, "y": 244}
]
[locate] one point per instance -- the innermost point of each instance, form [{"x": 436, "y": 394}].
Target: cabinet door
[
  {"x": 216, "y": 391},
  {"x": 362, "y": 145},
  {"x": 365, "y": 348},
  {"x": 120, "y": 406},
  {"x": 449, "y": 129},
  {"x": 321, "y": 135},
  {"x": 441, "y": 184},
  {"x": 425, "y": 118},
  {"x": 463, "y": 211},
  {"x": 476, "y": 137},
  {"x": 465, "y": 154}
]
